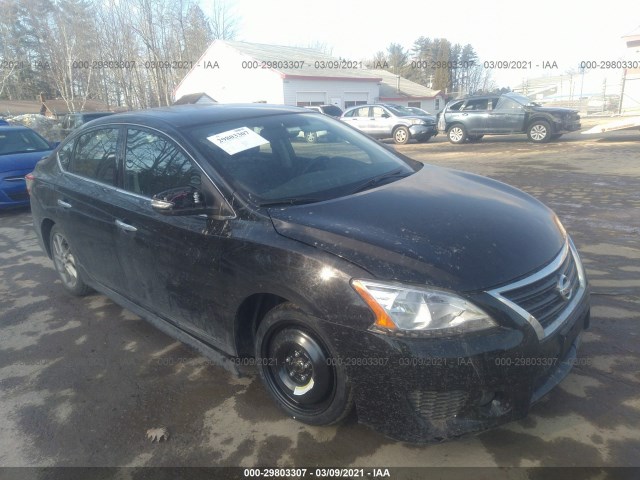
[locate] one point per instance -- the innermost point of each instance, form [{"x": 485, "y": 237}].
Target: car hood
[
  {"x": 426, "y": 118},
  {"x": 21, "y": 161},
  {"x": 439, "y": 227}
]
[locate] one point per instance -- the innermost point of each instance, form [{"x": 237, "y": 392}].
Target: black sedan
[{"x": 435, "y": 301}]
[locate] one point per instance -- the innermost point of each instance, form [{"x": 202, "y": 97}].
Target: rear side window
[
  {"x": 96, "y": 155},
  {"x": 456, "y": 106},
  {"x": 64, "y": 155},
  {"x": 154, "y": 163}
]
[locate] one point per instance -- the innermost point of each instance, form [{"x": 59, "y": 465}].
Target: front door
[{"x": 171, "y": 262}]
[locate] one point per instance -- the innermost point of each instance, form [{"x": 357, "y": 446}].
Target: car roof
[
  {"x": 186, "y": 115},
  {"x": 13, "y": 128}
]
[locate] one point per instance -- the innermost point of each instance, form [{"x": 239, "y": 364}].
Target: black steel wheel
[
  {"x": 66, "y": 264},
  {"x": 299, "y": 369}
]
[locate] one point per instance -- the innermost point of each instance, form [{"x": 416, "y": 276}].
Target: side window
[
  {"x": 505, "y": 103},
  {"x": 64, "y": 155},
  {"x": 456, "y": 106},
  {"x": 362, "y": 112},
  {"x": 95, "y": 155},
  {"x": 378, "y": 111},
  {"x": 153, "y": 164},
  {"x": 478, "y": 104}
]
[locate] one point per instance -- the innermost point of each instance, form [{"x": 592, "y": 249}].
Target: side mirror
[{"x": 180, "y": 201}]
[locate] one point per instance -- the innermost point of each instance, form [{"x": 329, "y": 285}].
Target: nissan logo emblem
[{"x": 564, "y": 287}]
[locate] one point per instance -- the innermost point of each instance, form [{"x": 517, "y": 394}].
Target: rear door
[
  {"x": 83, "y": 202},
  {"x": 475, "y": 116},
  {"x": 359, "y": 118}
]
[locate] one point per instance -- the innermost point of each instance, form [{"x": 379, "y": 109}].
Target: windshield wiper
[
  {"x": 375, "y": 181},
  {"x": 290, "y": 201}
]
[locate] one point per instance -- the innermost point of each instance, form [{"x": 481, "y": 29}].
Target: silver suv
[{"x": 391, "y": 121}]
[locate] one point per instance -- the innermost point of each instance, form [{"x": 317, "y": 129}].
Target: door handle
[
  {"x": 64, "y": 204},
  {"x": 126, "y": 227}
]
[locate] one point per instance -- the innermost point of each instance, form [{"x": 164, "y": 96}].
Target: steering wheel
[{"x": 309, "y": 167}]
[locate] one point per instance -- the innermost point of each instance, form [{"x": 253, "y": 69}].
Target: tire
[
  {"x": 311, "y": 137},
  {"x": 474, "y": 138},
  {"x": 401, "y": 135},
  {"x": 539, "y": 131},
  {"x": 297, "y": 366},
  {"x": 65, "y": 263},
  {"x": 457, "y": 134}
]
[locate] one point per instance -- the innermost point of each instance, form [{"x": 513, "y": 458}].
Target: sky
[{"x": 566, "y": 32}]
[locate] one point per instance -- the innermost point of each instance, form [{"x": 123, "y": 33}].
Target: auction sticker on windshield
[{"x": 237, "y": 140}]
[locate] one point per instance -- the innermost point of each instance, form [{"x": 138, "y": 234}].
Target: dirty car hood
[{"x": 439, "y": 227}]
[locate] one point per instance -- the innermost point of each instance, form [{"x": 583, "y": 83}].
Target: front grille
[
  {"x": 542, "y": 298},
  {"x": 438, "y": 405}
]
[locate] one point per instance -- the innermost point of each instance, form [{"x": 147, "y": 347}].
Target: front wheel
[
  {"x": 66, "y": 264},
  {"x": 539, "y": 131},
  {"x": 299, "y": 368},
  {"x": 457, "y": 134},
  {"x": 401, "y": 135}
]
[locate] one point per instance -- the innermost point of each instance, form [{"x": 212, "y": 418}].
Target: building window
[
  {"x": 437, "y": 105},
  {"x": 413, "y": 104},
  {"x": 353, "y": 103}
]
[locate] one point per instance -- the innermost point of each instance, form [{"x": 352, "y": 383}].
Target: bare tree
[{"x": 224, "y": 23}]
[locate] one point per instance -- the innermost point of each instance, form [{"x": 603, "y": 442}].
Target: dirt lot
[{"x": 81, "y": 379}]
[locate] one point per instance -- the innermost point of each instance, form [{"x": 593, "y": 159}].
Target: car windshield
[
  {"x": 270, "y": 160},
  {"x": 21, "y": 141},
  {"x": 400, "y": 111}
]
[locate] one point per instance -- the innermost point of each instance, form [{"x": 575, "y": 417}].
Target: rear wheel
[
  {"x": 66, "y": 264},
  {"x": 401, "y": 135},
  {"x": 539, "y": 131},
  {"x": 457, "y": 134},
  {"x": 299, "y": 368}
]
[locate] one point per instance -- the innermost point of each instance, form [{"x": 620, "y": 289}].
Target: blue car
[{"x": 20, "y": 150}]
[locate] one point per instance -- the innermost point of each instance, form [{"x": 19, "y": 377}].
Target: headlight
[
  {"x": 417, "y": 121},
  {"x": 417, "y": 309}
]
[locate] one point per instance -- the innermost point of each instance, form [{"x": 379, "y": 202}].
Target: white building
[{"x": 232, "y": 72}]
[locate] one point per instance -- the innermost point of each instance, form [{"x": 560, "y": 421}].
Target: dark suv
[{"x": 471, "y": 118}]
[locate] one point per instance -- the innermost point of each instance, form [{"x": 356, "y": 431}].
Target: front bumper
[
  {"x": 432, "y": 389},
  {"x": 13, "y": 190},
  {"x": 421, "y": 131}
]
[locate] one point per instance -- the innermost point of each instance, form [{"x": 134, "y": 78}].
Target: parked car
[
  {"x": 437, "y": 302},
  {"x": 331, "y": 110},
  {"x": 71, "y": 121},
  {"x": 20, "y": 150},
  {"x": 391, "y": 121},
  {"x": 471, "y": 118}
]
